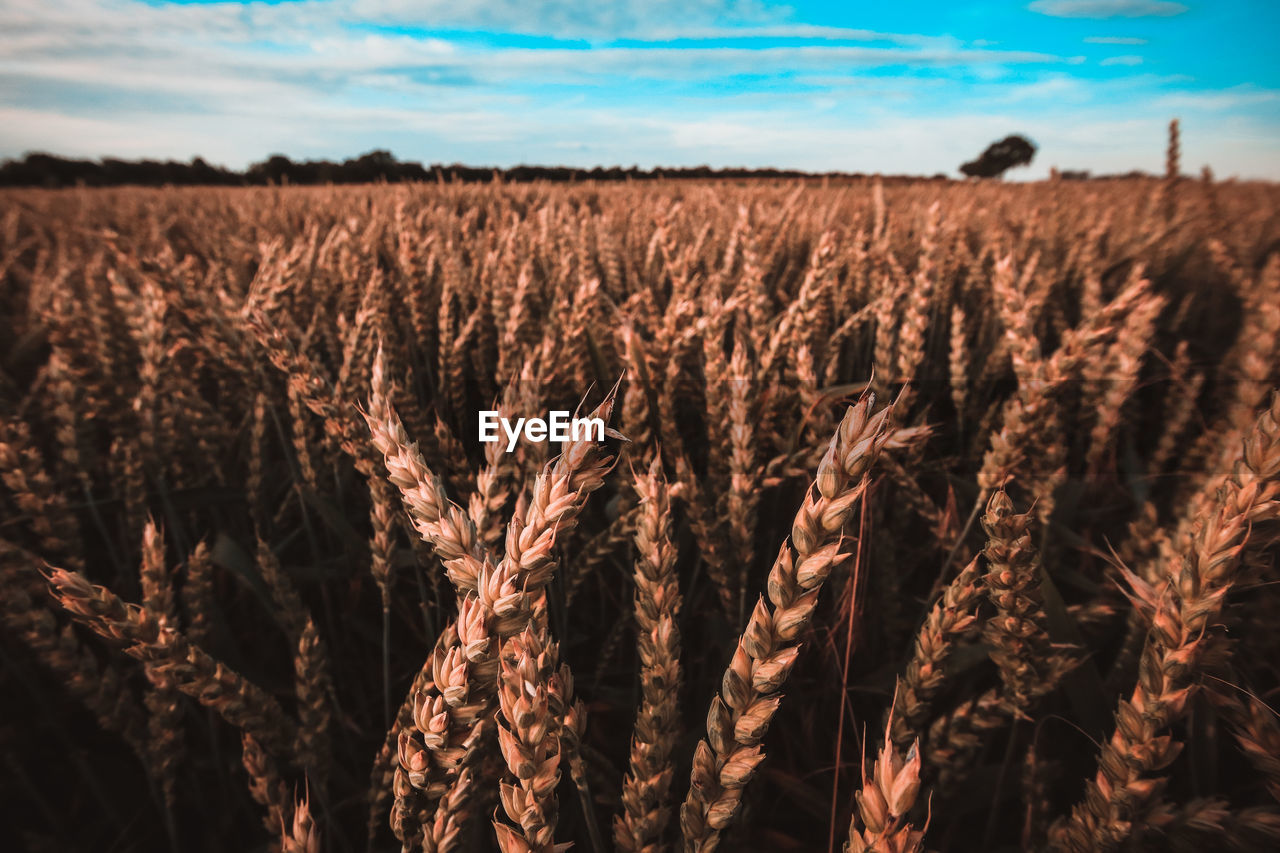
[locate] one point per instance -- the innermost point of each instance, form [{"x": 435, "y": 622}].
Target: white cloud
[
  {"x": 1107, "y": 8},
  {"x": 1056, "y": 89},
  {"x": 105, "y": 20},
  {"x": 77, "y": 136},
  {"x": 159, "y": 56},
  {"x": 1114, "y": 40},
  {"x": 787, "y": 31},
  {"x": 1122, "y": 60},
  {"x": 1227, "y": 99},
  {"x": 564, "y": 18}
]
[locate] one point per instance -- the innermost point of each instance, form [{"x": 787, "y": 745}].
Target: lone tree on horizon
[{"x": 1008, "y": 152}]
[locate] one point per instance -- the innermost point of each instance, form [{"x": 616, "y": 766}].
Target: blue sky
[{"x": 855, "y": 86}]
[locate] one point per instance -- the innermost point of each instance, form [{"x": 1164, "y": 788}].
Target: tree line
[{"x": 49, "y": 170}]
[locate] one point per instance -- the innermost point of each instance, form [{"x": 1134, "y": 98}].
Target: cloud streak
[
  {"x": 1107, "y": 8},
  {"x": 1114, "y": 40},
  {"x": 1121, "y": 60}
]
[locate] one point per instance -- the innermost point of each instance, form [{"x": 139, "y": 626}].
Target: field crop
[{"x": 929, "y": 515}]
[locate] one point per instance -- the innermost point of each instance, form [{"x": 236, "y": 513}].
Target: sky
[{"x": 851, "y": 86}]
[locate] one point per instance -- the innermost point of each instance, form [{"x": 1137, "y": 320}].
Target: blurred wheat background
[{"x": 932, "y": 516}]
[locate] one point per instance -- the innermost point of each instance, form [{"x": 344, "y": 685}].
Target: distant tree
[
  {"x": 275, "y": 169},
  {"x": 1001, "y": 156}
]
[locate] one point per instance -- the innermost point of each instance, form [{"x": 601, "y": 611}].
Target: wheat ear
[
  {"x": 529, "y": 738},
  {"x": 953, "y": 618},
  {"x": 740, "y": 714},
  {"x": 266, "y": 787},
  {"x": 163, "y": 701},
  {"x": 646, "y": 809},
  {"x": 100, "y": 687},
  {"x": 1184, "y": 611},
  {"x": 172, "y": 658},
  {"x": 447, "y": 526},
  {"x": 302, "y": 836},
  {"x": 879, "y": 823},
  {"x": 1016, "y": 635},
  {"x": 312, "y": 685}
]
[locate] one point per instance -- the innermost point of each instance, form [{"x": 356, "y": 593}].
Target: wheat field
[{"x": 929, "y": 516}]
